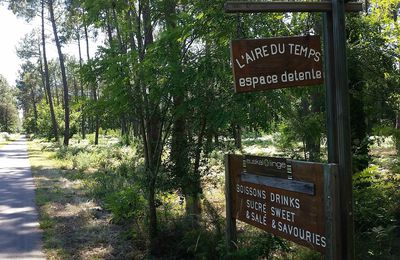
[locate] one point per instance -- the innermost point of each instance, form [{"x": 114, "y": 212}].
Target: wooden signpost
[
  {"x": 327, "y": 214},
  {"x": 290, "y": 207},
  {"x": 276, "y": 63}
]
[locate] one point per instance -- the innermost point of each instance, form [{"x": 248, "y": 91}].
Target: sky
[{"x": 12, "y": 30}]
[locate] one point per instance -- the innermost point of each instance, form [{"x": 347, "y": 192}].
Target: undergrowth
[
  {"x": 113, "y": 176},
  {"x": 377, "y": 210}
]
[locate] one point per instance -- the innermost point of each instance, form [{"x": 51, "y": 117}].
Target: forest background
[{"x": 161, "y": 85}]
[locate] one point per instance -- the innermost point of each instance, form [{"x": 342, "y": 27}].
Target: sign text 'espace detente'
[{"x": 273, "y": 63}]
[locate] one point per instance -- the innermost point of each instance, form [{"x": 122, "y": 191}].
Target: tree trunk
[
  {"x": 94, "y": 91},
  {"x": 57, "y": 96},
  {"x": 190, "y": 180},
  {"x": 314, "y": 144},
  {"x": 109, "y": 29},
  {"x": 42, "y": 74},
  {"x": 237, "y": 135},
  {"x": 150, "y": 123},
  {"x": 6, "y": 120},
  {"x": 194, "y": 206},
  {"x": 63, "y": 74},
  {"x": 397, "y": 132},
  {"x": 47, "y": 79},
  {"x": 83, "y": 119},
  {"x": 76, "y": 90},
  {"x": 35, "y": 112}
]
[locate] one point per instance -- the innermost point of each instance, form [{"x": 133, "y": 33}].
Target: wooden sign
[
  {"x": 268, "y": 166},
  {"x": 289, "y": 208},
  {"x": 276, "y": 63}
]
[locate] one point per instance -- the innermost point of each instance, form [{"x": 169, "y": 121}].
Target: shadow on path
[{"x": 20, "y": 236}]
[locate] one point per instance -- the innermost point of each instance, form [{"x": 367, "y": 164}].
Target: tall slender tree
[
  {"x": 46, "y": 74},
  {"x": 63, "y": 72}
]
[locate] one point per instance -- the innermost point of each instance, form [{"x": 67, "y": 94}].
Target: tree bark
[
  {"x": 63, "y": 74},
  {"x": 35, "y": 112},
  {"x": 83, "y": 118},
  {"x": 190, "y": 179},
  {"x": 47, "y": 79},
  {"x": 397, "y": 132},
  {"x": 150, "y": 124},
  {"x": 42, "y": 73},
  {"x": 94, "y": 90},
  {"x": 237, "y": 135}
]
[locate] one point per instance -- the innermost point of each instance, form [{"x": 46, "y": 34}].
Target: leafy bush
[
  {"x": 396, "y": 139},
  {"x": 5, "y": 136},
  {"x": 376, "y": 213},
  {"x": 386, "y": 131},
  {"x": 256, "y": 244},
  {"x": 125, "y": 204}
]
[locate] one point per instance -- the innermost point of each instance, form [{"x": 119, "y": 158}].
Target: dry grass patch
[{"x": 75, "y": 226}]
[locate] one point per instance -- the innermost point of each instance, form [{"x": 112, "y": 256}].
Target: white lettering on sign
[
  {"x": 278, "y": 213},
  {"x": 300, "y": 233},
  {"x": 262, "y": 194},
  {"x": 306, "y": 52},
  {"x": 295, "y": 76},
  {"x": 254, "y": 81},
  {"x": 285, "y": 200},
  {"x": 277, "y": 49},
  {"x": 283, "y": 214},
  {"x": 257, "y": 206},
  {"x": 266, "y": 163},
  {"x": 301, "y": 76},
  {"x": 256, "y": 217}
]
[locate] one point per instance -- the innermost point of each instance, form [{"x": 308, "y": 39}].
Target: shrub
[
  {"x": 125, "y": 204},
  {"x": 376, "y": 206}
]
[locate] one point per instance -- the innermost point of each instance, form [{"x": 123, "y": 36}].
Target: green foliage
[
  {"x": 295, "y": 133},
  {"x": 373, "y": 75},
  {"x": 165, "y": 65},
  {"x": 181, "y": 240},
  {"x": 126, "y": 204},
  {"x": 115, "y": 182},
  {"x": 386, "y": 130},
  {"x": 376, "y": 214},
  {"x": 42, "y": 122},
  {"x": 302, "y": 253},
  {"x": 396, "y": 139},
  {"x": 254, "y": 244},
  {"x": 8, "y": 107}
]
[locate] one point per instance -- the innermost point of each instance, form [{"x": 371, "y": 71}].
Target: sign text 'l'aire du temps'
[{"x": 273, "y": 63}]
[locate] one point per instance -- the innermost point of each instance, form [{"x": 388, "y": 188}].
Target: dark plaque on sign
[
  {"x": 276, "y": 63},
  {"x": 269, "y": 166},
  {"x": 289, "y": 208}
]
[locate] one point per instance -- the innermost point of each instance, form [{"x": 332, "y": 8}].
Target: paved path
[{"x": 20, "y": 236}]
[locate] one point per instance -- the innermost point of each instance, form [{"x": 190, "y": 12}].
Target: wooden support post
[
  {"x": 332, "y": 216},
  {"x": 331, "y": 194},
  {"x": 262, "y": 7},
  {"x": 341, "y": 231},
  {"x": 330, "y": 88},
  {"x": 343, "y": 131},
  {"x": 231, "y": 236}
]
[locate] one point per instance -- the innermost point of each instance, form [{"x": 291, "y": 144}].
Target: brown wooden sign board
[
  {"x": 268, "y": 166},
  {"x": 273, "y": 63},
  {"x": 286, "y": 210}
]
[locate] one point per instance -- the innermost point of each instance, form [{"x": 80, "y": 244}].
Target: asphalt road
[{"x": 20, "y": 236}]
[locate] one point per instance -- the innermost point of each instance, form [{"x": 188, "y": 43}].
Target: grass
[
  {"x": 6, "y": 138},
  {"x": 85, "y": 196},
  {"x": 74, "y": 225}
]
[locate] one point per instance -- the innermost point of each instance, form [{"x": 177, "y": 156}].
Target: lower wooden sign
[{"x": 291, "y": 208}]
